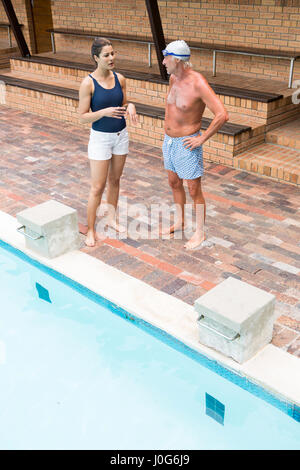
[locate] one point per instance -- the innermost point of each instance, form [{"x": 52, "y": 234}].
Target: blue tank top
[{"x": 106, "y": 98}]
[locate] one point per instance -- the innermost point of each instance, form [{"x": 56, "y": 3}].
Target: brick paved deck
[{"x": 253, "y": 222}]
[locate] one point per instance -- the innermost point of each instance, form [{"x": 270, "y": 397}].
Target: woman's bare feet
[
  {"x": 195, "y": 241},
  {"x": 116, "y": 226},
  {"x": 172, "y": 229},
  {"x": 93, "y": 237},
  {"x": 90, "y": 238}
]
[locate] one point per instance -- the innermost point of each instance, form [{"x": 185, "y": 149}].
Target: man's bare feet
[
  {"x": 172, "y": 229},
  {"x": 195, "y": 241},
  {"x": 116, "y": 226}
]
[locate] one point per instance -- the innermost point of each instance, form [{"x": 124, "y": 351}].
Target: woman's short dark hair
[{"x": 98, "y": 45}]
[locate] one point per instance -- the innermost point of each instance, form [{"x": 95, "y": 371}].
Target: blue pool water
[{"x": 75, "y": 373}]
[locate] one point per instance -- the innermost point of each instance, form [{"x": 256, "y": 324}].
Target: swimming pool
[{"x": 77, "y": 372}]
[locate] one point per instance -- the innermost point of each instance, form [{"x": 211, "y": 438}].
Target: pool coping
[{"x": 273, "y": 369}]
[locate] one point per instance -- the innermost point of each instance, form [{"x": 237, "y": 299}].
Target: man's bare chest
[{"x": 183, "y": 97}]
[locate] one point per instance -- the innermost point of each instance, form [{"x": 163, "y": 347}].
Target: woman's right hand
[{"x": 116, "y": 113}]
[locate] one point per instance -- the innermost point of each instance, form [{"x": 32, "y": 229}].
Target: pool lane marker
[
  {"x": 214, "y": 408},
  {"x": 43, "y": 292}
]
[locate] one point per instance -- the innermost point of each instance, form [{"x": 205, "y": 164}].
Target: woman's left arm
[{"x": 131, "y": 111}]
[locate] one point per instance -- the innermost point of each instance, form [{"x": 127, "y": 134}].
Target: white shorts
[{"x": 102, "y": 145}]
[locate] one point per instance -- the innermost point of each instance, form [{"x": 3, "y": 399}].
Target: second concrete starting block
[{"x": 235, "y": 318}]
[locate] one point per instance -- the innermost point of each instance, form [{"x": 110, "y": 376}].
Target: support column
[
  {"x": 16, "y": 28},
  {"x": 157, "y": 33}
]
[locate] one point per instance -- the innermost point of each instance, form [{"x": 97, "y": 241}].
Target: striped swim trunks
[{"x": 186, "y": 163}]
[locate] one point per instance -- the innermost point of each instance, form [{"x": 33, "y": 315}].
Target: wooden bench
[
  {"x": 8, "y": 27},
  {"x": 215, "y": 48},
  {"x": 251, "y": 51},
  {"x": 110, "y": 36}
]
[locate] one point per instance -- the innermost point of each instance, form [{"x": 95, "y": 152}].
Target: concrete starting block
[
  {"x": 50, "y": 228},
  {"x": 235, "y": 318}
]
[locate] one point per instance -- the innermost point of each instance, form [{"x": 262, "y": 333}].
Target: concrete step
[
  {"x": 287, "y": 135},
  {"x": 271, "y": 160}
]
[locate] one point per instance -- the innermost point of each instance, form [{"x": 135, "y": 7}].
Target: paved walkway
[{"x": 252, "y": 222}]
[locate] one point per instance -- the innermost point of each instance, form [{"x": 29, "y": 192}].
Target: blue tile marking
[
  {"x": 43, "y": 292},
  {"x": 286, "y": 407},
  {"x": 215, "y": 409},
  {"x": 296, "y": 413}
]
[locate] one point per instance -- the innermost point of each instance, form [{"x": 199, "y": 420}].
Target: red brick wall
[{"x": 261, "y": 23}]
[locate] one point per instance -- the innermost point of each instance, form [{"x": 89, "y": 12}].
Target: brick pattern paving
[{"x": 253, "y": 223}]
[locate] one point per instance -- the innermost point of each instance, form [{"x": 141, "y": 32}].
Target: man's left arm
[{"x": 215, "y": 105}]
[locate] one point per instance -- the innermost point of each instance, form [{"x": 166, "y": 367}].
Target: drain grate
[{"x": 215, "y": 409}]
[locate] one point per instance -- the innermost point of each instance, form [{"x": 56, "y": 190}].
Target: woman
[{"x": 104, "y": 93}]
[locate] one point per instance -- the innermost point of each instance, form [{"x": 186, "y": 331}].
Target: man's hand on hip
[{"x": 193, "y": 142}]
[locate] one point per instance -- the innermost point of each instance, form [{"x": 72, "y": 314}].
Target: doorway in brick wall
[{"x": 39, "y": 15}]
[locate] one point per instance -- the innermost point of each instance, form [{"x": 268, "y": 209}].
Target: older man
[{"x": 188, "y": 95}]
